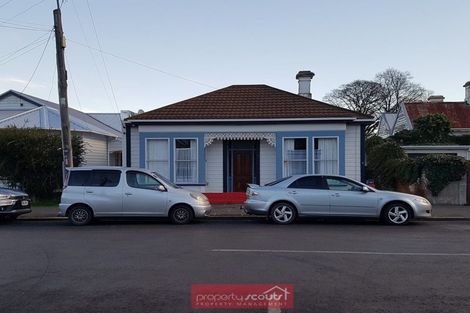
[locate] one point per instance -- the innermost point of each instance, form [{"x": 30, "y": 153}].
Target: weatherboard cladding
[{"x": 248, "y": 102}]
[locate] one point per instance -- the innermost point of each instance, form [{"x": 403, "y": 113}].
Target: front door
[
  {"x": 241, "y": 164},
  {"x": 242, "y": 169}
]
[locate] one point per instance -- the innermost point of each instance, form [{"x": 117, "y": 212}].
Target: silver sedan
[{"x": 328, "y": 195}]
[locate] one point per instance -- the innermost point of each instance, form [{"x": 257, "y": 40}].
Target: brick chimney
[
  {"x": 304, "y": 78},
  {"x": 467, "y": 92}
]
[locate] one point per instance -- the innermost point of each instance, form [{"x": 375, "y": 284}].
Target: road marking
[{"x": 341, "y": 252}]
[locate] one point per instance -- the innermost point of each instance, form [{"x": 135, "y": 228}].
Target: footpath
[{"x": 440, "y": 212}]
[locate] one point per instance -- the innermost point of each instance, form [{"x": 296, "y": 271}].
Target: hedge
[{"x": 31, "y": 159}]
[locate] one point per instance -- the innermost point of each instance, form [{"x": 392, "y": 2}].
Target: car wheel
[
  {"x": 181, "y": 214},
  {"x": 283, "y": 213},
  {"x": 396, "y": 214},
  {"x": 80, "y": 215}
]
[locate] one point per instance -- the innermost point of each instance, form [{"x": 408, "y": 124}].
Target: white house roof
[
  {"x": 111, "y": 119},
  {"x": 46, "y": 115}
]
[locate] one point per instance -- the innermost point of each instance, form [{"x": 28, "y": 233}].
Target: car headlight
[
  {"x": 421, "y": 200},
  {"x": 199, "y": 197}
]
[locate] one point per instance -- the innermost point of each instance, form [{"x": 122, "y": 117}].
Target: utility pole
[{"x": 62, "y": 87}]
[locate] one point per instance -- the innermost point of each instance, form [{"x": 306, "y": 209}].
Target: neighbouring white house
[
  {"x": 225, "y": 139},
  {"x": 458, "y": 113},
  {"x": 102, "y": 133}
]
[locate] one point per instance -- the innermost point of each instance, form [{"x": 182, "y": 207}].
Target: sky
[{"x": 156, "y": 52}]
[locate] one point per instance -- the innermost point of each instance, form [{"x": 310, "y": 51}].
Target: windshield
[
  {"x": 165, "y": 180},
  {"x": 277, "y": 181}
]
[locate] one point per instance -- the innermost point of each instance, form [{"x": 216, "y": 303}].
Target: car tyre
[
  {"x": 396, "y": 214},
  {"x": 283, "y": 213},
  {"x": 80, "y": 215},
  {"x": 181, "y": 214}
]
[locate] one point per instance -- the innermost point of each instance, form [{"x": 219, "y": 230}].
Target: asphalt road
[{"x": 335, "y": 266}]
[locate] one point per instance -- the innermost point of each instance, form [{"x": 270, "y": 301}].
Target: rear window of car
[
  {"x": 309, "y": 182},
  {"x": 79, "y": 178},
  {"x": 105, "y": 178},
  {"x": 277, "y": 181}
]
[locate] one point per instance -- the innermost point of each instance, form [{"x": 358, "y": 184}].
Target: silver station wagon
[
  {"x": 326, "y": 195},
  {"x": 127, "y": 192}
]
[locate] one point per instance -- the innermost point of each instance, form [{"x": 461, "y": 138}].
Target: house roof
[
  {"x": 248, "y": 102},
  {"x": 80, "y": 121},
  {"x": 111, "y": 119},
  {"x": 458, "y": 113}
]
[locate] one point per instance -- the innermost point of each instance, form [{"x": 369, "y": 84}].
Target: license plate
[{"x": 24, "y": 203}]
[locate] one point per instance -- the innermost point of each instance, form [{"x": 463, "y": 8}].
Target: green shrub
[
  {"x": 31, "y": 158},
  {"x": 389, "y": 166},
  {"x": 441, "y": 169}
]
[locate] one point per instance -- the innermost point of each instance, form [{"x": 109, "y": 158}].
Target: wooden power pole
[{"x": 62, "y": 84}]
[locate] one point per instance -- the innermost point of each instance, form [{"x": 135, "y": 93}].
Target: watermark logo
[{"x": 242, "y": 296}]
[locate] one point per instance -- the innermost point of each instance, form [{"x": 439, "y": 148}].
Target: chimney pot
[
  {"x": 436, "y": 98},
  {"x": 304, "y": 78}
]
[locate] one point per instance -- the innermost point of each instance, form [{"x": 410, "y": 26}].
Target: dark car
[{"x": 13, "y": 203}]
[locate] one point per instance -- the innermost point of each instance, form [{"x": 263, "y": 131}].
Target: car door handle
[
  {"x": 128, "y": 194},
  {"x": 89, "y": 191},
  {"x": 335, "y": 194},
  {"x": 292, "y": 192}
]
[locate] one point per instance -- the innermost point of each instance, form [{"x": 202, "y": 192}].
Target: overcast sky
[{"x": 173, "y": 50}]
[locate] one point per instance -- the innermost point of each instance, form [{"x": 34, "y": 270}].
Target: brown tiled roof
[
  {"x": 248, "y": 102},
  {"x": 458, "y": 113}
]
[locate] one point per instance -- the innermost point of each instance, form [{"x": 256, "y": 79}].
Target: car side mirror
[
  {"x": 365, "y": 189},
  {"x": 161, "y": 188}
]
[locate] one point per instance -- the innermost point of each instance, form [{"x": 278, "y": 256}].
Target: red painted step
[{"x": 226, "y": 197}]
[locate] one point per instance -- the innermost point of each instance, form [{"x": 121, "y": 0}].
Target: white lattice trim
[{"x": 269, "y": 137}]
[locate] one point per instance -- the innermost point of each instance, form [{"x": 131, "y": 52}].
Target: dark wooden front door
[{"x": 242, "y": 169}]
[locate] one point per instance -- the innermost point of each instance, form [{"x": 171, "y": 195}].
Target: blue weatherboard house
[{"x": 225, "y": 139}]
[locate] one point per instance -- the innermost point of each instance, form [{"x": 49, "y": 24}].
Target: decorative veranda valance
[{"x": 269, "y": 137}]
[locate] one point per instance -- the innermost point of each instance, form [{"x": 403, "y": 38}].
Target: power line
[
  {"x": 5, "y": 3},
  {"x": 24, "y": 28},
  {"x": 11, "y": 53},
  {"x": 69, "y": 74},
  {"x": 52, "y": 82},
  {"x": 144, "y": 65},
  {"x": 91, "y": 53},
  {"x": 39, "y": 62},
  {"x": 102, "y": 57},
  {"x": 25, "y": 24},
  {"x": 26, "y": 10}
]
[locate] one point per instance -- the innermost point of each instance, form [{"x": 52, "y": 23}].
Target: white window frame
[
  {"x": 313, "y": 152},
  {"x": 284, "y": 174},
  {"x": 197, "y": 160},
  {"x": 146, "y": 153}
]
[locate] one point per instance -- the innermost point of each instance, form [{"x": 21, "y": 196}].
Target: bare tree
[
  {"x": 390, "y": 88},
  {"x": 397, "y": 87},
  {"x": 362, "y": 96}
]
